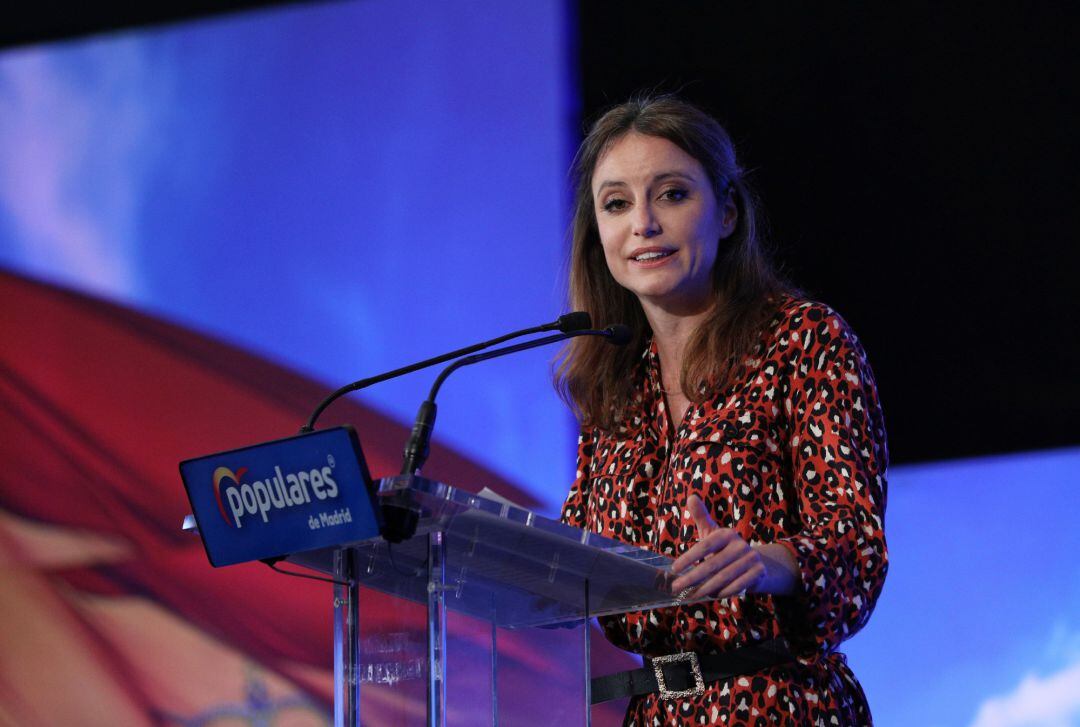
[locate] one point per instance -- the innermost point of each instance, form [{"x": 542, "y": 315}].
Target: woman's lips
[{"x": 651, "y": 257}]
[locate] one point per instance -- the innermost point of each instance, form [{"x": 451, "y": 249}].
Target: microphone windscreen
[
  {"x": 576, "y": 321},
  {"x": 618, "y": 334}
]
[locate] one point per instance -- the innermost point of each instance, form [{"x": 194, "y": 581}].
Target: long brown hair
[{"x": 596, "y": 378}]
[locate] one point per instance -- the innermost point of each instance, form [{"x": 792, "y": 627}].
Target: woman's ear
[{"x": 729, "y": 215}]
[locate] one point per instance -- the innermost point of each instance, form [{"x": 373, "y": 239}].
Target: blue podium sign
[{"x": 282, "y": 497}]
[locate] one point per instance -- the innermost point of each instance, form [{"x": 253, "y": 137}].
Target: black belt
[{"x": 686, "y": 674}]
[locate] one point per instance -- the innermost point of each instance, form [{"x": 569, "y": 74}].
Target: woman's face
[{"x": 659, "y": 221}]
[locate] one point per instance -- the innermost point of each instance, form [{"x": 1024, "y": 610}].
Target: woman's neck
[{"x": 671, "y": 334}]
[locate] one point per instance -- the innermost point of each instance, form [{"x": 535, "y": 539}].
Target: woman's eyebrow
[{"x": 662, "y": 176}]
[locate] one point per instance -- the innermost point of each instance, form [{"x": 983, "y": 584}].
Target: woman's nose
[{"x": 644, "y": 222}]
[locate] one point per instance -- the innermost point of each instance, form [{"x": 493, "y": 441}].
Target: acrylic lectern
[{"x": 500, "y": 574}]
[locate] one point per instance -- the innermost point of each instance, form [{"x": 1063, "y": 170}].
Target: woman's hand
[{"x": 720, "y": 563}]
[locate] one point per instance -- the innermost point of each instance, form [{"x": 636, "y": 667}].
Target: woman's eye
[
  {"x": 614, "y": 205},
  {"x": 674, "y": 195}
]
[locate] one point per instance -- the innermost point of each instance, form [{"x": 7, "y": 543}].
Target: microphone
[
  {"x": 618, "y": 334},
  {"x": 567, "y": 323},
  {"x": 419, "y": 444}
]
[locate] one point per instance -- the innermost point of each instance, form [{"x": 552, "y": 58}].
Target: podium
[{"x": 502, "y": 571}]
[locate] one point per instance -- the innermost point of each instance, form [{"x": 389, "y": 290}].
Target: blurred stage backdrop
[{"x": 205, "y": 225}]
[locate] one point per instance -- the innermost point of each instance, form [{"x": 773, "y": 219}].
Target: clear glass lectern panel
[
  {"x": 392, "y": 654},
  {"x": 479, "y": 616},
  {"x": 505, "y": 563},
  {"x": 494, "y": 676}
]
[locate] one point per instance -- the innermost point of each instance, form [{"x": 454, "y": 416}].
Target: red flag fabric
[{"x": 109, "y": 613}]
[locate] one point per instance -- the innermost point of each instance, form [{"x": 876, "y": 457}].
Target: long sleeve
[
  {"x": 838, "y": 456},
  {"x": 575, "y": 508}
]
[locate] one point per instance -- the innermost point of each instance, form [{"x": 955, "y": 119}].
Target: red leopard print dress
[{"x": 793, "y": 453}]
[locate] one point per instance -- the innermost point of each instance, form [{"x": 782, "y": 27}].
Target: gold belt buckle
[{"x": 699, "y": 681}]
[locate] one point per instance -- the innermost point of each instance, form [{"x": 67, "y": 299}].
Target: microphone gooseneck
[
  {"x": 567, "y": 323},
  {"x": 419, "y": 445}
]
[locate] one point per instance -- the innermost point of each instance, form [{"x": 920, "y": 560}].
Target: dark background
[{"x": 918, "y": 171}]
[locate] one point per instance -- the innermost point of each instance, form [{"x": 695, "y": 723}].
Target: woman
[{"x": 740, "y": 434}]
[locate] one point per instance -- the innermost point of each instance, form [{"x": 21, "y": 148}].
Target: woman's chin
[{"x": 675, "y": 302}]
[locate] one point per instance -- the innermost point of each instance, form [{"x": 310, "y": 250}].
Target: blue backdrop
[{"x": 340, "y": 187}]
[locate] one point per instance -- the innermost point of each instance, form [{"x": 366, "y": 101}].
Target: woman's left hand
[{"x": 721, "y": 563}]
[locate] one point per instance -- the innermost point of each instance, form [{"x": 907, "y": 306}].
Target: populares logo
[{"x": 279, "y": 491}]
